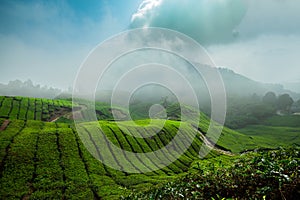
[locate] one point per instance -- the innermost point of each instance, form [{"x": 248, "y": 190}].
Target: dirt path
[
  {"x": 59, "y": 114},
  {"x": 4, "y": 125},
  {"x": 55, "y": 119},
  {"x": 77, "y": 114},
  {"x": 210, "y": 145},
  {"x": 73, "y": 114}
]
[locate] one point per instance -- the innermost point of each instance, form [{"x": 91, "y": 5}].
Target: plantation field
[
  {"x": 42, "y": 158},
  {"x": 32, "y": 108}
]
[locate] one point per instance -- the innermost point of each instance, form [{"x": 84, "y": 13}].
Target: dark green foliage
[
  {"x": 249, "y": 111},
  {"x": 270, "y": 99},
  {"x": 256, "y": 175},
  {"x": 246, "y": 111},
  {"x": 285, "y": 102}
]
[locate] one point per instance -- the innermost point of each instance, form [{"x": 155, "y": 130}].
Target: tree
[
  {"x": 16, "y": 84},
  {"x": 298, "y": 103},
  {"x": 28, "y": 84},
  {"x": 164, "y": 101},
  {"x": 285, "y": 102},
  {"x": 270, "y": 98},
  {"x": 296, "y": 107},
  {"x": 255, "y": 98}
]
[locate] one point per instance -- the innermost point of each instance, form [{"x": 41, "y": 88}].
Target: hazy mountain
[
  {"x": 235, "y": 85},
  {"x": 28, "y": 89},
  {"x": 239, "y": 85},
  {"x": 293, "y": 86}
]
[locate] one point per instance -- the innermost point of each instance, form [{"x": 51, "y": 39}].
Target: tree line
[
  {"x": 28, "y": 89},
  {"x": 243, "y": 111}
]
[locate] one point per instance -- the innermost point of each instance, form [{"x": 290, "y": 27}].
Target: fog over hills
[
  {"x": 28, "y": 88},
  {"x": 293, "y": 86},
  {"x": 235, "y": 85},
  {"x": 240, "y": 85}
]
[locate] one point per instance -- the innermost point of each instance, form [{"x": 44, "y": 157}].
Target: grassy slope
[
  {"x": 280, "y": 131},
  {"x": 47, "y": 160},
  {"x": 229, "y": 139},
  {"x": 271, "y": 136},
  {"x": 275, "y": 131},
  {"x": 283, "y": 121}
]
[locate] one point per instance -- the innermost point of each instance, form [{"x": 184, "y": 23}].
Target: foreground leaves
[{"x": 273, "y": 174}]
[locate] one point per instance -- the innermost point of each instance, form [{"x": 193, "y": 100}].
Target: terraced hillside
[
  {"x": 47, "y": 160},
  {"x": 41, "y": 158},
  {"x": 32, "y": 108}
]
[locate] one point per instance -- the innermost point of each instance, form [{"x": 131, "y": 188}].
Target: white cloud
[
  {"x": 259, "y": 39},
  {"x": 146, "y": 7},
  {"x": 207, "y": 21}
]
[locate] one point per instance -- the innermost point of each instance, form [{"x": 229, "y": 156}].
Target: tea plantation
[{"x": 43, "y": 158}]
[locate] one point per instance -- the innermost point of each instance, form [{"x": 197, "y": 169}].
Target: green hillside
[
  {"x": 43, "y": 158},
  {"x": 32, "y": 108}
]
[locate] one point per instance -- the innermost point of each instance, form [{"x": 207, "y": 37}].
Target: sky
[{"x": 47, "y": 41}]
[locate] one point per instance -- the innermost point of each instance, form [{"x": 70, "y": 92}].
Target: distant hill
[
  {"x": 239, "y": 85},
  {"x": 235, "y": 85},
  {"x": 28, "y": 89},
  {"x": 294, "y": 86}
]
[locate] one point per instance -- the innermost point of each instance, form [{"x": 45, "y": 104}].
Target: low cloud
[
  {"x": 207, "y": 21},
  {"x": 220, "y": 21},
  {"x": 270, "y": 17},
  {"x": 259, "y": 39},
  {"x": 267, "y": 58}
]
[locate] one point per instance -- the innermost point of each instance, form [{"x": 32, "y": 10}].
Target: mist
[
  {"x": 28, "y": 89},
  {"x": 207, "y": 22},
  {"x": 254, "y": 38},
  {"x": 48, "y": 42}
]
